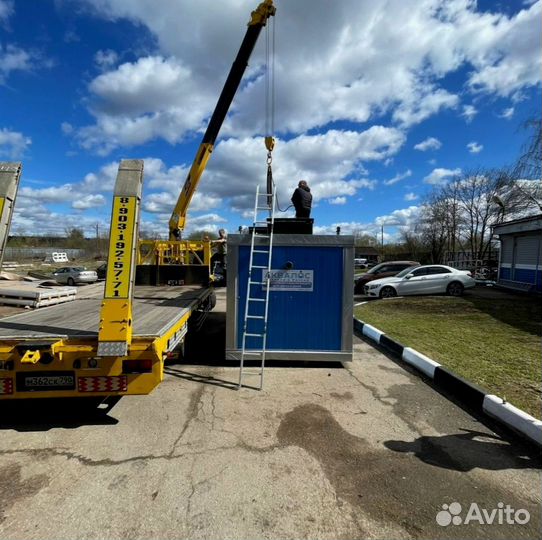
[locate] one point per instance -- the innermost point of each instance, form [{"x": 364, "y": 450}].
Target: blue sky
[{"x": 376, "y": 103}]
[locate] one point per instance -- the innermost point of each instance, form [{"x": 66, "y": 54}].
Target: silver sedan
[
  {"x": 70, "y": 275},
  {"x": 429, "y": 279}
]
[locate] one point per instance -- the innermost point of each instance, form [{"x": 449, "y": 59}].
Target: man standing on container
[
  {"x": 302, "y": 199},
  {"x": 221, "y": 248}
]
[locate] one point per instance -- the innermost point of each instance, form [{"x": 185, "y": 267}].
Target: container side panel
[{"x": 299, "y": 319}]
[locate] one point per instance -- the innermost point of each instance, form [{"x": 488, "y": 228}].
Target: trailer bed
[{"x": 155, "y": 311}]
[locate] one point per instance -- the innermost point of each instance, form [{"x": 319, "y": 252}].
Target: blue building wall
[{"x": 522, "y": 275}]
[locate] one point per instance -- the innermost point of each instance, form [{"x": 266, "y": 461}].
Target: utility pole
[
  {"x": 382, "y": 239},
  {"x": 97, "y": 238}
]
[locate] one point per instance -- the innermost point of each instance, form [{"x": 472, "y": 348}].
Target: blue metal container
[{"x": 310, "y": 306}]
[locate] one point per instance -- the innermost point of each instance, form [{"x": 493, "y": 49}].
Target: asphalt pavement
[{"x": 364, "y": 450}]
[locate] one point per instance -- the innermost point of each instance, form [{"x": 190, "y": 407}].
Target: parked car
[
  {"x": 360, "y": 263},
  {"x": 101, "y": 271},
  {"x": 428, "y": 279},
  {"x": 70, "y": 275},
  {"x": 385, "y": 269}
]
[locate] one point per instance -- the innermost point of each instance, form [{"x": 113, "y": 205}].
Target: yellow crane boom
[{"x": 257, "y": 21}]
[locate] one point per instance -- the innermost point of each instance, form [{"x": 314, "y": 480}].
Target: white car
[{"x": 428, "y": 279}]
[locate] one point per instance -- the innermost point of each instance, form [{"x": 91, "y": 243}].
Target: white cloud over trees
[{"x": 441, "y": 175}]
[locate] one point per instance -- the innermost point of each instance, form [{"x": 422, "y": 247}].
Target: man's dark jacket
[{"x": 302, "y": 198}]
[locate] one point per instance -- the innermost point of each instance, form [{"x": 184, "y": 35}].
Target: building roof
[{"x": 526, "y": 224}]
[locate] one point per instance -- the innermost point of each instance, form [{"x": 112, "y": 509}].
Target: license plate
[{"x": 43, "y": 381}]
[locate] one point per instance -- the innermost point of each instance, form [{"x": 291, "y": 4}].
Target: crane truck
[{"x": 116, "y": 344}]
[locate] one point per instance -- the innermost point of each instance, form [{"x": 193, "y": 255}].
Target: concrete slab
[{"x": 38, "y": 294}]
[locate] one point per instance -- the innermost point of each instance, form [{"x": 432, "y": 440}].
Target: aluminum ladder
[{"x": 255, "y": 321}]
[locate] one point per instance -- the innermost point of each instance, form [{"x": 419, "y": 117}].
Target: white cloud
[
  {"x": 398, "y": 177},
  {"x": 474, "y": 147},
  {"x": 163, "y": 202},
  {"x": 349, "y": 227},
  {"x": 510, "y": 59},
  {"x": 153, "y": 97},
  {"x": 106, "y": 59},
  {"x": 32, "y": 217},
  {"x": 158, "y": 203},
  {"x": 469, "y": 112},
  {"x": 86, "y": 194},
  {"x": 171, "y": 94},
  {"x": 103, "y": 180},
  {"x": 6, "y": 10},
  {"x": 405, "y": 217},
  {"x": 13, "y": 58},
  {"x": 507, "y": 113},
  {"x": 66, "y": 128},
  {"x": 364, "y": 183},
  {"x": 206, "y": 222},
  {"x": 240, "y": 164},
  {"x": 441, "y": 176},
  {"x": 431, "y": 143},
  {"x": 71, "y": 36},
  {"x": 411, "y": 197},
  {"x": 13, "y": 144},
  {"x": 420, "y": 107},
  {"x": 52, "y": 194},
  {"x": 337, "y": 200},
  {"x": 89, "y": 201},
  {"x": 133, "y": 86},
  {"x": 330, "y": 162},
  {"x": 94, "y": 192}
]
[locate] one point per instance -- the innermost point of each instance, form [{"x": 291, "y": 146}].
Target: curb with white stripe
[{"x": 465, "y": 391}]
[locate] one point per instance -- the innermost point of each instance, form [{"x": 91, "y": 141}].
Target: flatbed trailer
[{"x": 53, "y": 351}]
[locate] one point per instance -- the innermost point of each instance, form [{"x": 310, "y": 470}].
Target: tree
[
  {"x": 362, "y": 239},
  {"x": 524, "y": 195},
  {"x": 149, "y": 235},
  {"x": 458, "y": 216},
  {"x": 414, "y": 245},
  {"x": 529, "y": 163},
  {"x": 75, "y": 238},
  {"x": 200, "y": 235},
  {"x": 477, "y": 193},
  {"x": 431, "y": 226}
]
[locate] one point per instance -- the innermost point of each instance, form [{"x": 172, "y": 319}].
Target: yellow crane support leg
[{"x": 115, "y": 330}]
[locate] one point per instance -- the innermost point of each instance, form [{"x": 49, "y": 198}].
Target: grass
[{"x": 492, "y": 342}]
